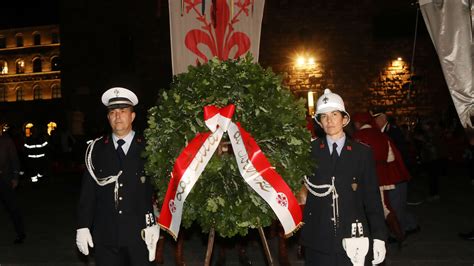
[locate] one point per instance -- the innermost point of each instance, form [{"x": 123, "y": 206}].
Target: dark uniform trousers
[
  {"x": 316, "y": 258},
  {"x": 136, "y": 255},
  {"x": 116, "y": 226},
  {"x": 358, "y": 199}
]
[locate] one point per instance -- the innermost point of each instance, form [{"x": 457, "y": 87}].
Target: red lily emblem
[{"x": 218, "y": 34}]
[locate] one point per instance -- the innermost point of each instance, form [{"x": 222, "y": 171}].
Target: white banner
[
  {"x": 200, "y": 31},
  {"x": 450, "y": 28}
]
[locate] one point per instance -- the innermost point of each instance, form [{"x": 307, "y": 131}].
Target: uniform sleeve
[
  {"x": 372, "y": 200},
  {"x": 86, "y": 205}
]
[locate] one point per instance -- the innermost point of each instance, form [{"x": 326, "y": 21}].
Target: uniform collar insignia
[
  {"x": 321, "y": 145},
  {"x": 349, "y": 148},
  {"x": 106, "y": 140}
]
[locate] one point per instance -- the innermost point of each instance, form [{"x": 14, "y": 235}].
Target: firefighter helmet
[{"x": 329, "y": 102}]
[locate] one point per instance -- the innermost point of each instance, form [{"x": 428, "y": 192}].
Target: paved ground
[{"x": 50, "y": 219}]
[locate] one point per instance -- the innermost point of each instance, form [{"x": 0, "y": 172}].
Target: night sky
[
  {"x": 26, "y": 13},
  {"x": 392, "y": 18}
]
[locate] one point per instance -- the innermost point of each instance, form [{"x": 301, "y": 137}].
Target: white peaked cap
[{"x": 118, "y": 97}]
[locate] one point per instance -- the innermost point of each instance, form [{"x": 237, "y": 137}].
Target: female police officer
[{"x": 344, "y": 199}]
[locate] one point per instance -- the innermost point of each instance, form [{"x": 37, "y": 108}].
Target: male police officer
[
  {"x": 116, "y": 197},
  {"x": 343, "y": 207}
]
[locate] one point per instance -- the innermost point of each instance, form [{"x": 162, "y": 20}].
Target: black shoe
[
  {"x": 19, "y": 239},
  {"x": 467, "y": 236}
]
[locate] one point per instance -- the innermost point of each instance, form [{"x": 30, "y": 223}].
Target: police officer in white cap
[
  {"x": 343, "y": 208},
  {"x": 115, "y": 209}
]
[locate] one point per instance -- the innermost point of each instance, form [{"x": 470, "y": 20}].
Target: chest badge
[
  {"x": 354, "y": 184},
  {"x": 143, "y": 179}
]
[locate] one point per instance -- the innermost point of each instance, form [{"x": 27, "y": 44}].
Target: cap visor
[{"x": 118, "y": 106}]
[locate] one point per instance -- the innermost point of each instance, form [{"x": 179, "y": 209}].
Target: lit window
[
  {"x": 37, "y": 66},
  {"x": 20, "y": 94},
  {"x": 20, "y": 66},
  {"x": 3, "y": 67},
  {"x": 4, "y": 127},
  {"x": 55, "y": 63},
  {"x": 37, "y": 93},
  {"x": 55, "y": 92}
]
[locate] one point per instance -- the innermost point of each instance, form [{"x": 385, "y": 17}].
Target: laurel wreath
[{"x": 265, "y": 108}]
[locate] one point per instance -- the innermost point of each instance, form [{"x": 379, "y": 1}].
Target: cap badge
[
  {"x": 117, "y": 92},
  {"x": 325, "y": 100}
]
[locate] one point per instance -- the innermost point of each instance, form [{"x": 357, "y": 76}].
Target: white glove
[
  {"x": 356, "y": 248},
  {"x": 379, "y": 251},
  {"x": 83, "y": 240},
  {"x": 151, "y": 235}
]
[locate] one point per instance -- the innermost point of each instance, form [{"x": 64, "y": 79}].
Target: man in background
[{"x": 9, "y": 169}]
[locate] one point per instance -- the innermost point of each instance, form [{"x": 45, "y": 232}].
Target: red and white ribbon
[{"x": 253, "y": 166}]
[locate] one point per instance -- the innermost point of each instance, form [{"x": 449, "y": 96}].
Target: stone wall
[{"x": 351, "y": 59}]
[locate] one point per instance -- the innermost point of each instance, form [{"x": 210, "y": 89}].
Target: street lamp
[{"x": 307, "y": 62}]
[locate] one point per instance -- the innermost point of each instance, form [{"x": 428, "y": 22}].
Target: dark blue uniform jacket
[
  {"x": 110, "y": 224},
  {"x": 354, "y": 166}
]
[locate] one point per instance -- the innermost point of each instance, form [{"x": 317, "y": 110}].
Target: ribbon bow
[
  {"x": 253, "y": 166},
  {"x": 214, "y": 117}
]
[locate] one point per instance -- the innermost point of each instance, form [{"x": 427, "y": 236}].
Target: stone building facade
[
  {"x": 30, "y": 64},
  {"x": 30, "y": 76}
]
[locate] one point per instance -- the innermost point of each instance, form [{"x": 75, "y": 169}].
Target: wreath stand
[
  {"x": 225, "y": 147},
  {"x": 210, "y": 246}
]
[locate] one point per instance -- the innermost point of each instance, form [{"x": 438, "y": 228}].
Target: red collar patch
[
  {"x": 349, "y": 148},
  {"x": 321, "y": 146}
]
